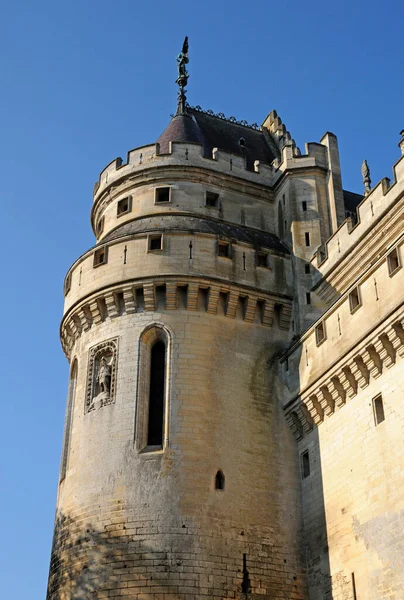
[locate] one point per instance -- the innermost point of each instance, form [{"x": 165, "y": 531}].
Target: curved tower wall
[{"x": 146, "y": 522}]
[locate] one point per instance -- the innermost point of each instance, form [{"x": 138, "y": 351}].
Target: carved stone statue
[
  {"x": 104, "y": 377},
  {"x": 366, "y": 177}
]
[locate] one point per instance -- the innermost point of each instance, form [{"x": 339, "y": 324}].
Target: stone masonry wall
[
  {"x": 151, "y": 525},
  {"x": 352, "y": 500}
]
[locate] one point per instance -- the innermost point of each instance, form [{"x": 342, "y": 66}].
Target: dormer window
[{"x": 241, "y": 142}]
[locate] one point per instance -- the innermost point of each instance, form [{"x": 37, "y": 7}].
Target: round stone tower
[{"x": 179, "y": 477}]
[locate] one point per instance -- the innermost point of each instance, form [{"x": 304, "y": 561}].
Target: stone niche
[{"x": 101, "y": 377}]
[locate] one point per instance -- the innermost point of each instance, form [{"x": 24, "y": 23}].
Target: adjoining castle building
[{"x": 234, "y": 423}]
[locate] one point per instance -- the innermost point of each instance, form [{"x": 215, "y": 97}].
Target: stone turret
[{"x": 179, "y": 475}]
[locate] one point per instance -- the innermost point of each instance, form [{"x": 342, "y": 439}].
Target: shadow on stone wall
[{"x": 313, "y": 503}]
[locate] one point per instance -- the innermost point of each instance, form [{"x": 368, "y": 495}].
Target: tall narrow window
[
  {"x": 378, "y": 409},
  {"x": 219, "y": 481},
  {"x": 320, "y": 333},
  {"x": 305, "y": 464},
  {"x": 393, "y": 261},
  {"x": 354, "y": 300},
  {"x": 156, "y": 395},
  {"x": 307, "y": 238},
  {"x": 68, "y": 420},
  {"x": 153, "y": 390}
]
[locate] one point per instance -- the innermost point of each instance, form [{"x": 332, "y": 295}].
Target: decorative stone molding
[
  {"x": 333, "y": 390},
  {"x": 101, "y": 375},
  {"x": 112, "y": 303}
]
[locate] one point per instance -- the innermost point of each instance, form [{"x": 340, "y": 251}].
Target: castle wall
[
  {"x": 344, "y": 381},
  {"x": 352, "y": 500}
]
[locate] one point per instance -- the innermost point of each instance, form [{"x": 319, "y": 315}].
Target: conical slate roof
[
  {"x": 182, "y": 128},
  {"x": 217, "y": 132}
]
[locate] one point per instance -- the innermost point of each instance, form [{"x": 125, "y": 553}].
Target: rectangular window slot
[
  {"x": 100, "y": 257},
  {"x": 203, "y": 299},
  {"x": 68, "y": 284},
  {"x": 320, "y": 333},
  {"x": 393, "y": 261},
  {"x": 307, "y": 269},
  {"x": 155, "y": 242},
  {"x": 182, "y": 294},
  {"x": 100, "y": 226},
  {"x": 304, "y": 206},
  {"x": 162, "y": 195},
  {"x": 278, "y": 313},
  {"x": 259, "y": 311},
  {"x": 378, "y": 409},
  {"x": 102, "y": 307},
  {"x": 283, "y": 199},
  {"x": 307, "y": 238},
  {"x": 212, "y": 199},
  {"x": 120, "y": 305},
  {"x": 305, "y": 464},
  {"x": 160, "y": 297},
  {"x": 222, "y": 305},
  {"x": 354, "y": 300},
  {"x": 308, "y": 298},
  {"x": 241, "y": 307},
  {"x": 262, "y": 259},
  {"x": 124, "y": 206},
  {"x": 139, "y": 300},
  {"x": 223, "y": 249}
]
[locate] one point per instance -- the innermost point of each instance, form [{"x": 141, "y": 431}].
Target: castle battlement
[{"x": 373, "y": 207}]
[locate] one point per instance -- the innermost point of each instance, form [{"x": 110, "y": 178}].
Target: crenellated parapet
[
  {"x": 354, "y": 372},
  {"x": 384, "y": 199},
  {"x": 279, "y": 132},
  {"x": 160, "y": 294}
]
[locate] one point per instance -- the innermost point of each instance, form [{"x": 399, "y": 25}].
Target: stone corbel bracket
[
  {"x": 163, "y": 294},
  {"x": 333, "y": 390}
]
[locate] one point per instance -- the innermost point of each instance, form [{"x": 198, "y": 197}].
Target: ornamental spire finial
[
  {"x": 366, "y": 177},
  {"x": 182, "y": 79}
]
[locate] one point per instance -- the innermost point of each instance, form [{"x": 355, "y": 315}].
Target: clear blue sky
[{"x": 84, "y": 81}]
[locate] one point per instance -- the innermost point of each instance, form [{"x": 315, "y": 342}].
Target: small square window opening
[
  {"x": 320, "y": 333},
  {"x": 262, "y": 259},
  {"x": 100, "y": 226},
  {"x": 100, "y": 257},
  {"x": 393, "y": 261},
  {"x": 162, "y": 195},
  {"x": 378, "y": 409},
  {"x": 224, "y": 249},
  {"x": 68, "y": 284},
  {"x": 305, "y": 464},
  {"x": 354, "y": 300},
  {"x": 123, "y": 206},
  {"x": 212, "y": 199},
  {"x": 155, "y": 242},
  {"x": 307, "y": 269}
]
